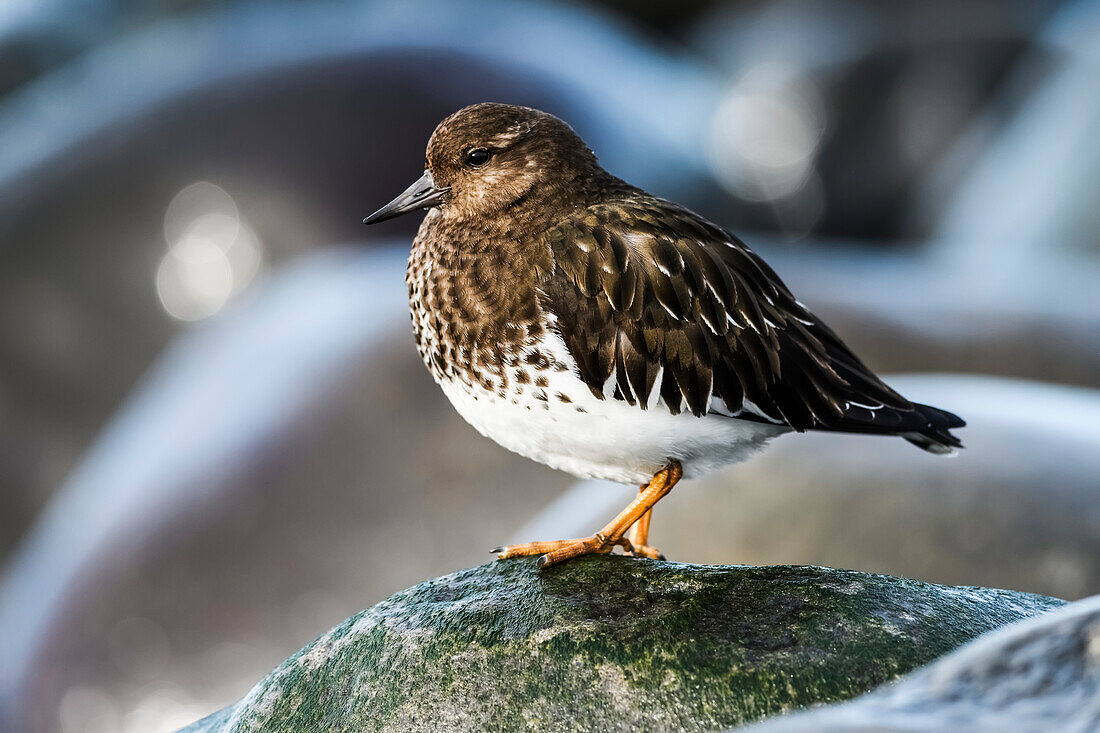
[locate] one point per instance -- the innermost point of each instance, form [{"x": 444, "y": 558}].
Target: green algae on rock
[
  {"x": 612, "y": 643},
  {"x": 1039, "y": 675}
]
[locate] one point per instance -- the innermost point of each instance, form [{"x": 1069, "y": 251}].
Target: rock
[
  {"x": 613, "y": 643},
  {"x": 1036, "y": 676}
]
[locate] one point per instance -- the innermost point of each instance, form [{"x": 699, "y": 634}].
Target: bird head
[{"x": 487, "y": 157}]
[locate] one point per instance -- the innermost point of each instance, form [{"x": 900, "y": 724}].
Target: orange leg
[
  {"x": 639, "y": 538},
  {"x": 612, "y": 534}
]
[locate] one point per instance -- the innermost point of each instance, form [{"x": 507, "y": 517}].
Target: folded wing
[{"x": 665, "y": 310}]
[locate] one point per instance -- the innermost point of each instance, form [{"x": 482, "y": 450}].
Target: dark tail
[{"x": 936, "y": 437}]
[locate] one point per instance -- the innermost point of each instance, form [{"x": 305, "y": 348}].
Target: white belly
[{"x": 608, "y": 438}]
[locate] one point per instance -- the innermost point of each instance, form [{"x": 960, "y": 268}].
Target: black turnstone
[{"x": 579, "y": 321}]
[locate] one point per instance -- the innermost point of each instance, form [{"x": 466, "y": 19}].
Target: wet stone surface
[{"x": 612, "y": 643}]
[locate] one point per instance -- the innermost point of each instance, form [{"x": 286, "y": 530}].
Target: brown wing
[{"x": 652, "y": 300}]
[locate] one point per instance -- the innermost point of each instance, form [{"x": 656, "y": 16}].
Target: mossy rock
[{"x": 612, "y": 643}]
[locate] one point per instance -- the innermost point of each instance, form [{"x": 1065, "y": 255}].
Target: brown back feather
[{"x": 644, "y": 288}]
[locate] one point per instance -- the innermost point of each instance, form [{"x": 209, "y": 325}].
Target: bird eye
[{"x": 477, "y": 157}]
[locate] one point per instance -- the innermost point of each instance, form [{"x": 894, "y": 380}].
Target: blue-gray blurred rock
[
  {"x": 1003, "y": 279},
  {"x": 834, "y": 113}
]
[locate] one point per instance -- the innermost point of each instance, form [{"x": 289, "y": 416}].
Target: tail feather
[
  {"x": 936, "y": 437},
  {"x": 940, "y": 442}
]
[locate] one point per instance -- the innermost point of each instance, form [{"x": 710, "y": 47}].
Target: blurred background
[{"x": 217, "y": 440}]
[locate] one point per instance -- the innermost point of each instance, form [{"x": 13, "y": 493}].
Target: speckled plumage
[{"x": 591, "y": 326}]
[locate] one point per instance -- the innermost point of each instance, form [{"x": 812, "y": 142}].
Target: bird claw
[
  {"x": 646, "y": 551},
  {"x": 555, "y": 551}
]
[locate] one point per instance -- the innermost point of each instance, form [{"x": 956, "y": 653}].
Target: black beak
[{"x": 421, "y": 195}]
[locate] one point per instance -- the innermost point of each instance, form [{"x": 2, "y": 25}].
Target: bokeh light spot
[
  {"x": 765, "y": 134},
  {"x": 212, "y": 254},
  {"x": 163, "y": 709}
]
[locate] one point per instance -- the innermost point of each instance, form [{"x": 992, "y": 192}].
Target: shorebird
[{"x": 586, "y": 324}]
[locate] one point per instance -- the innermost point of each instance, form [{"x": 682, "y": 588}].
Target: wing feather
[{"x": 664, "y": 301}]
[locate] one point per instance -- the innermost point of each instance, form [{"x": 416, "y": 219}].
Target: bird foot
[
  {"x": 556, "y": 551},
  {"x": 635, "y": 519},
  {"x": 645, "y": 551}
]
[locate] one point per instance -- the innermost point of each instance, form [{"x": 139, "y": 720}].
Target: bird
[{"x": 583, "y": 323}]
